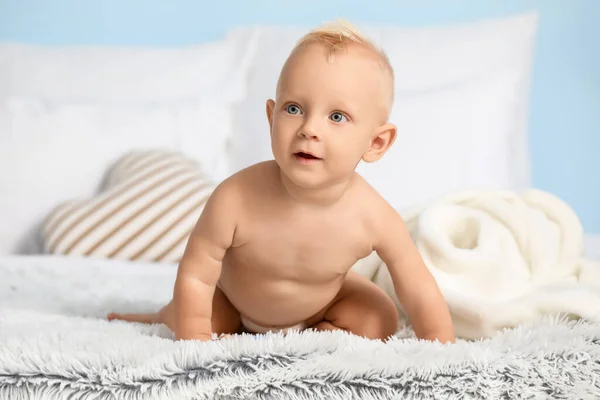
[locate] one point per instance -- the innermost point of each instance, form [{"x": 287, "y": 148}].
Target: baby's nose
[
  {"x": 309, "y": 135},
  {"x": 308, "y": 132}
]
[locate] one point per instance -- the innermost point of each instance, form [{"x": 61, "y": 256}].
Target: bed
[{"x": 76, "y": 120}]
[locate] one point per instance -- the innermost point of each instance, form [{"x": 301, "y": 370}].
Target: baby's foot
[{"x": 141, "y": 318}]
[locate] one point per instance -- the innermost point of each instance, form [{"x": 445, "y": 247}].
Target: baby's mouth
[{"x": 306, "y": 156}]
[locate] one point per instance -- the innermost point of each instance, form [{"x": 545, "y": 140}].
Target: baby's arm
[
  {"x": 415, "y": 286},
  {"x": 200, "y": 267}
]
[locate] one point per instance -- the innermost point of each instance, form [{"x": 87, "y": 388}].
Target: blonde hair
[{"x": 338, "y": 34}]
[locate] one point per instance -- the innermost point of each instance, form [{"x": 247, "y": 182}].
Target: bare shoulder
[
  {"x": 257, "y": 182},
  {"x": 233, "y": 200},
  {"x": 225, "y": 204},
  {"x": 256, "y": 173},
  {"x": 378, "y": 215},
  {"x": 238, "y": 187},
  {"x": 370, "y": 201}
]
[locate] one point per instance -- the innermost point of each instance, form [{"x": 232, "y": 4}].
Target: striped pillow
[{"x": 147, "y": 211}]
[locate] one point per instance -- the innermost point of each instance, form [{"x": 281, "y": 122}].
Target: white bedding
[
  {"x": 44, "y": 284},
  {"x": 503, "y": 258},
  {"x": 63, "y": 349}
]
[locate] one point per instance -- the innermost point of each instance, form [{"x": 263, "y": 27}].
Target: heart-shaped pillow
[{"x": 146, "y": 211}]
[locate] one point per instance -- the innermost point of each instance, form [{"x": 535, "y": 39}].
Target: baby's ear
[
  {"x": 381, "y": 142},
  {"x": 270, "y": 107}
]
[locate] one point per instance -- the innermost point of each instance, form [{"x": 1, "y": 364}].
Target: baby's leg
[
  {"x": 361, "y": 308},
  {"x": 225, "y": 318}
]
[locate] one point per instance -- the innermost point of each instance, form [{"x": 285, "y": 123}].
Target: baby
[{"x": 274, "y": 247}]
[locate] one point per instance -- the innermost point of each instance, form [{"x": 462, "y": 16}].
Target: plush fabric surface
[
  {"x": 54, "y": 343},
  {"x": 502, "y": 258}
]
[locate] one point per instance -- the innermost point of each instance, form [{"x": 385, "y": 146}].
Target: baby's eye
[
  {"x": 292, "y": 109},
  {"x": 338, "y": 117}
]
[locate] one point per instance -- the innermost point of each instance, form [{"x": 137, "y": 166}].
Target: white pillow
[
  {"x": 461, "y": 106},
  {"x": 50, "y": 152},
  {"x": 124, "y": 74},
  {"x": 67, "y": 112}
]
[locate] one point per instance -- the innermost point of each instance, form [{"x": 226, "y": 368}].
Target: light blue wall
[{"x": 565, "y": 113}]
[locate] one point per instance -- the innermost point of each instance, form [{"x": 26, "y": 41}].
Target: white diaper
[{"x": 255, "y": 328}]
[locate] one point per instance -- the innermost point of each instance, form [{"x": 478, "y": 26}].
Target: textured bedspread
[{"x": 54, "y": 343}]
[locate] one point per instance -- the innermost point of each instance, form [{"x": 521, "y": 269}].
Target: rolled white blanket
[{"x": 502, "y": 258}]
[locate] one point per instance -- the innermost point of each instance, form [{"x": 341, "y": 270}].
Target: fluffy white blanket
[
  {"x": 502, "y": 259},
  {"x": 55, "y": 344}
]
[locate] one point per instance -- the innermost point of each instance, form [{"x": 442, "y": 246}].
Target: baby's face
[{"x": 326, "y": 114}]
